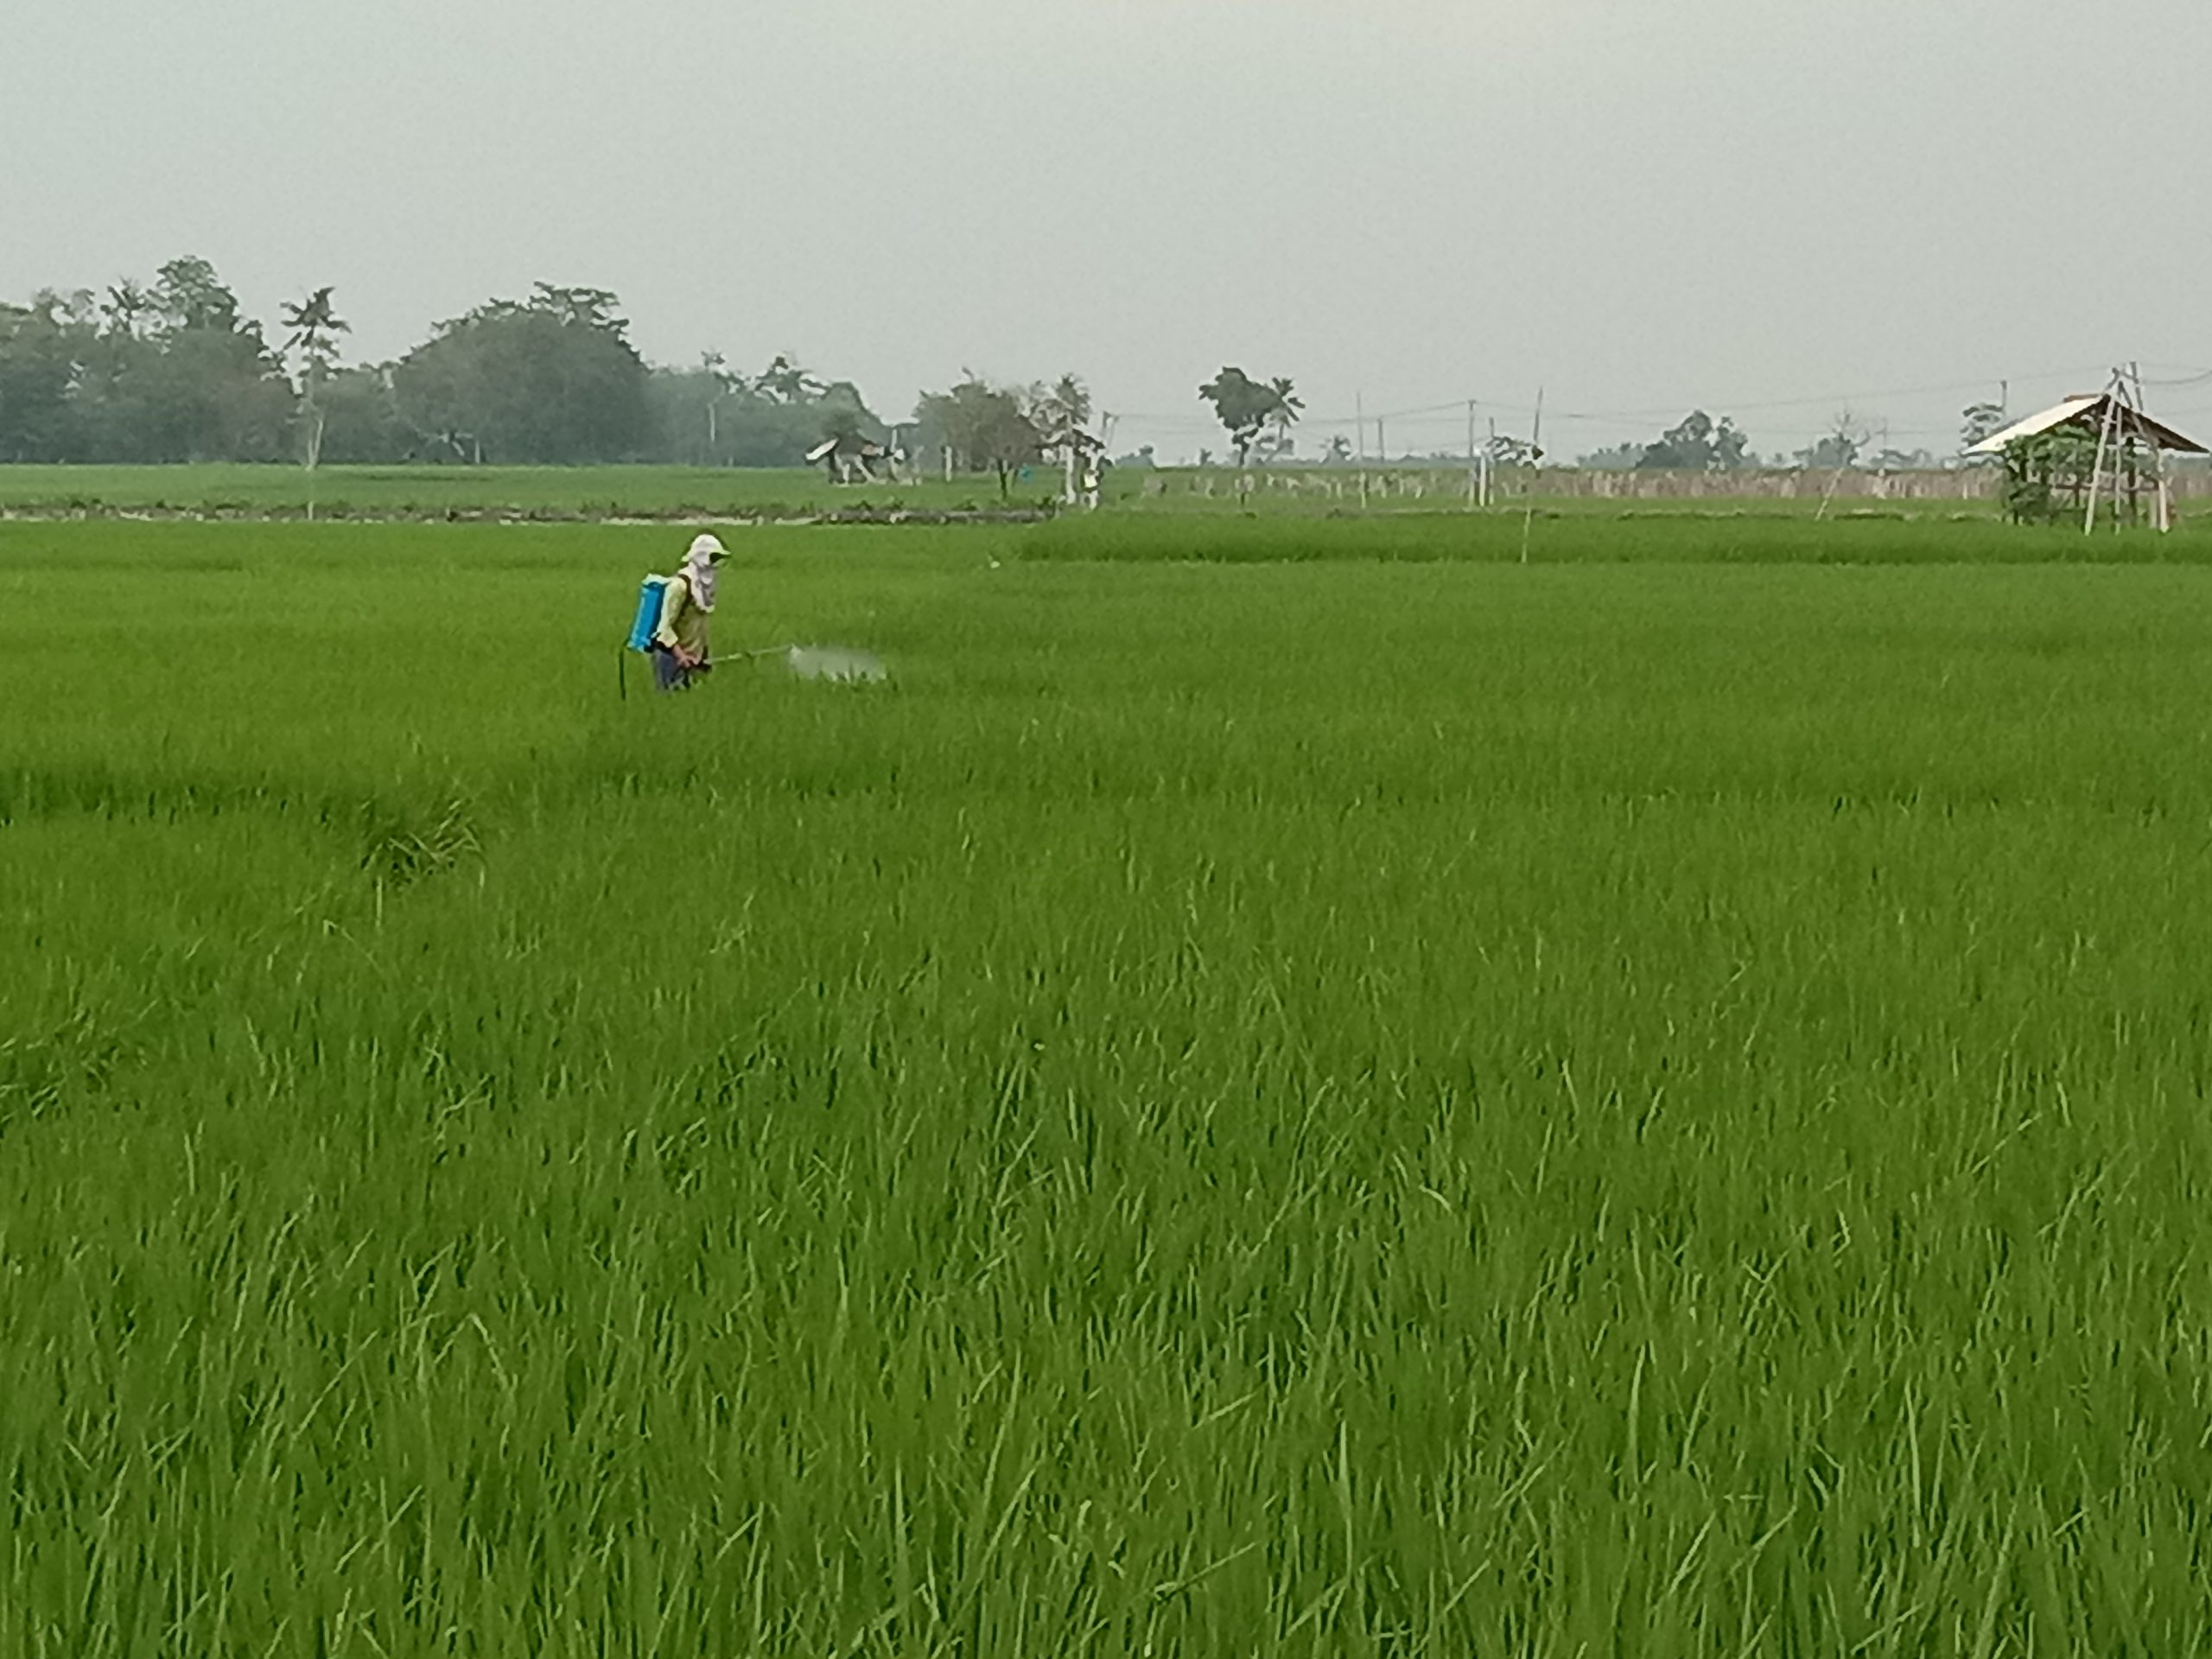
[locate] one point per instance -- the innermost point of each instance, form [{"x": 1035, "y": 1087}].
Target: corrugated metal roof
[{"x": 2088, "y": 412}]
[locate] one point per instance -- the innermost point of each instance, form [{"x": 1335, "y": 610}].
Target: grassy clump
[{"x": 1315, "y": 1109}]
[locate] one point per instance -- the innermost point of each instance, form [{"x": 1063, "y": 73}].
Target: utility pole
[
  {"x": 2162, "y": 507},
  {"x": 1536, "y": 471},
  {"x": 1471, "y": 454},
  {"x": 1359, "y": 417}
]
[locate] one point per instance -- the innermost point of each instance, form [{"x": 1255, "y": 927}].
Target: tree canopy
[
  {"x": 1698, "y": 443},
  {"x": 1246, "y": 408},
  {"x": 551, "y": 380},
  {"x": 999, "y": 428},
  {"x": 161, "y": 373},
  {"x": 172, "y": 370},
  {"x": 1979, "y": 421}
]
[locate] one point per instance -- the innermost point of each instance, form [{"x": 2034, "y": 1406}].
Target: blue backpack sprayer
[{"x": 650, "y": 592}]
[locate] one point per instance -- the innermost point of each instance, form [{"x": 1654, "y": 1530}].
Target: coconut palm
[
  {"x": 126, "y": 303},
  {"x": 722, "y": 385},
  {"x": 1283, "y": 410},
  {"x": 314, "y": 327},
  {"x": 785, "y": 382}
]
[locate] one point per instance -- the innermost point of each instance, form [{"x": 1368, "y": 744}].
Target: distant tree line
[
  {"x": 172, "y": 371},
  {"x": 1698, "y": 443}
]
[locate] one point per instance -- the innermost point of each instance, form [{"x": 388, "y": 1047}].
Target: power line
[
  {"x": 1455, "y": 408},
  {"x": 1438, "y": 415}
]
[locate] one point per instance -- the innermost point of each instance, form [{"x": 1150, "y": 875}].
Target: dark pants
[{"x": 669, "y": 674}]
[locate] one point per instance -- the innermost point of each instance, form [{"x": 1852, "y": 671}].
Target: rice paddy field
[
  {"x": 1289, "y": 1090},
  {"x": 231, "y": 491},
  {"x": 1400, "y": 492}
]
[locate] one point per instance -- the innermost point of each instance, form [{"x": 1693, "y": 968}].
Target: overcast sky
[{"x": 1766, "y": 208}]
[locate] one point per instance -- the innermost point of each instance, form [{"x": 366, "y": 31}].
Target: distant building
[
  {"x": 2089, "y": 450},
  {"x": 856, "y": 459},
  {"x": 1082, "y": 459}
]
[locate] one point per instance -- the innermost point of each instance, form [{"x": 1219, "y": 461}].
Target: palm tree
[
  {"x": 315, "y": 327},
  {"x": 126, "y": 302},
  {"x": 786, "y": 382},
  {"x": 1070, "y": 401},
  {"x": 722, "y": 385},
  {"x": 1283, "y": 410}
]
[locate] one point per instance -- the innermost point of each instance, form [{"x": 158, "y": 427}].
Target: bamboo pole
[
  {"x": 1536, "y": 472},
  {"x": 2104, "y": 430}
]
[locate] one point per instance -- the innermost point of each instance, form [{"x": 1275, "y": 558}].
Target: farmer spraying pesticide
[
  {"x": 679, "y": 643},
  {"x": 670, "y": 626}
]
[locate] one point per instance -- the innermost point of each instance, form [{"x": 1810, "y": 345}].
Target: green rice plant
[
  {"x": 524, "y": 493},
  {"x": 1586, "y": 537},
  {"x": 1310, "y": 1105}
]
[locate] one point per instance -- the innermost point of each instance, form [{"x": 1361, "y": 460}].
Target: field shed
[
  {"x": 1082, "y": 456},
  {"x": 853, "y": 459},
  {"x": 2087, "y": 415},
  {"x": 2074, "y": 454}
]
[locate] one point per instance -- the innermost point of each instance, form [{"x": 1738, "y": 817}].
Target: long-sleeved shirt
[{"x": 682, "y": 622}]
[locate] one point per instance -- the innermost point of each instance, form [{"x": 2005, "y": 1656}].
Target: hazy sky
[{"x": 1767, "y": 207}]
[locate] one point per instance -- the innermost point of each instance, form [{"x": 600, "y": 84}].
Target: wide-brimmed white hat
[{"x": 707, "y": 547}]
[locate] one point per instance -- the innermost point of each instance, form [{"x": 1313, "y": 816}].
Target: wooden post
[
  {"x": 2105, "y": 428},
  {"x": 2162, "y": 506}
]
